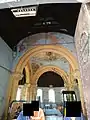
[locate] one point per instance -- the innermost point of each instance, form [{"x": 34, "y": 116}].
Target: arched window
[
  {"x": 51, "y": 95},
  {"x": 39, "y": 94},
  {"x": 18, "y": 93},
  {"x": 63, "y": 89}
]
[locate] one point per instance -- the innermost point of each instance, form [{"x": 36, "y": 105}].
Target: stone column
[
  {"x": 33, "y": 91},
  {"x": 71, "y": 84},
  {"x": 16, "y": 78},
  {"x": 82, "y": 97},
  {"x": 77, "y": 92},
  {"x": 28, "y": 92},
  {"x": 76, "y": 75},
  {"x": 23, "y": 92},
  {"x": 67, "y": 85}
]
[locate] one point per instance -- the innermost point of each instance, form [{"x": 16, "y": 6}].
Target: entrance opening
[
  {"x": 51, "y": 85},
  {"x": 50, "y": 78}
]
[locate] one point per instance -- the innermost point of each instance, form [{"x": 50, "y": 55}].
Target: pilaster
[
  {"x": 76, "y": 75},
  {"x": 33, "y": 91},
  {"x": 15, "y": 77}
]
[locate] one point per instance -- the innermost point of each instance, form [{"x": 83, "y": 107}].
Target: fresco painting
[{"x": 45, "y": 39}]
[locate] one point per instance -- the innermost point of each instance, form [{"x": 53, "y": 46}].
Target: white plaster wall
[
  {"x": 6, "y": 62},
  {"x": 58, "y": 93}
]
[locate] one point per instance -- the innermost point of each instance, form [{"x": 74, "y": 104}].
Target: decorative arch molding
[
  {"x": 28, "y": 73},
  {"x": 45, "y": 48},
  {"x": 52, "y": 68},
  {"x": 53, "y": 38},
  {"x": 30, "y": 53}
]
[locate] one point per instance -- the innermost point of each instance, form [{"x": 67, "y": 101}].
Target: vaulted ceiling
[
  {"x": 62, "y": 17},
  {"x": 48, "y": 58}
]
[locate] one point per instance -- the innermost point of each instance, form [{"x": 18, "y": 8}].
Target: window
[
  {"x": 51, "y": 95},
  {"x": 18, "y": 94},
  {"x": 62, "y": 95},
  {"x": 39, "y": 94}
]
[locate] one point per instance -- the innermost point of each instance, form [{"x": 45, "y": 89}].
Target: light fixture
[
  {"x": 25, "y": 11},
  {"x": 81, "y": 1},
  {"x": 7, "y": 1}
]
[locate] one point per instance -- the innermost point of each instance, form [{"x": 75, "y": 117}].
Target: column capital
[
  {"x": 71, "y": 85},
  {"x": 20, "y": 86},
  {"x": 17, "y": 76},
  {"x": 34, "y": 84},
  {"x": 27, "y": 85},
  {"x": 76, "y": 74}
]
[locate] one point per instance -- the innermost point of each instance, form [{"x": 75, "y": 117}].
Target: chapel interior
[{"x": 43, "y": 55}]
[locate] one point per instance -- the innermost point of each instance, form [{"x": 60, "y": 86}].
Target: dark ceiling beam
[{"x": 61, "y": 16}]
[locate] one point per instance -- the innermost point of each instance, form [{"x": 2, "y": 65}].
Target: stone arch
[
  {"x": 17, "y": 70},
  {"x": 52, "y": 68},
  {"x": 52, "y": 48},
  {"x": 32, "y": 52}
]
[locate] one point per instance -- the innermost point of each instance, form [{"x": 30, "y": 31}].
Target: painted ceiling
[
  {"x": 49, "y": 58},
  {"x": 50, "y": 38}
]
